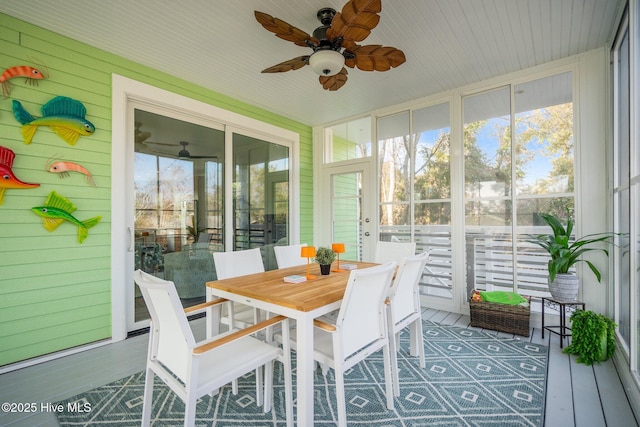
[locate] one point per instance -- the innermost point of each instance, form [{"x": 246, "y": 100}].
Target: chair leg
[
  {"x": 393, "y": 350},
  {"x": 388, "y": 377},
  {"x": 190, "y": 410},
  {"x": 420, "y": 342},
  {"x": 268, "y": 386},
  {"x": 414, "y": 337},
  {"x": 288, "y": 376},
  {"x": 288, "y": 391},
  {"x": 148, "y": 398},
  {"x": 259, "y": 383},
  {"x": 341, "y": 398}
]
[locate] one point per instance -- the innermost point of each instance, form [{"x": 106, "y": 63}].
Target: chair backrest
[
  {"x": 362, "y": 316},
  {"x": 393, "y": 251},
  {"x": 171, "y": 339},
  {"x": 289, "y": 256},
  {"x": 238, "y": 263},
  {"x": 404, "y": 295},
  {"x": 204, "y": 238}
]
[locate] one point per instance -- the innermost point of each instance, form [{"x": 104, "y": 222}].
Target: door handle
[
  {"x": 131, "y": 239},
  {"x": 367, "y": 233}
]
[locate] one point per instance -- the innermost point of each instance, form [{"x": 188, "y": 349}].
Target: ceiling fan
[
  {"x": 185, "y": 155},
  {"x": 334, "y": 43},
  {"x": 141, "y": 138}
]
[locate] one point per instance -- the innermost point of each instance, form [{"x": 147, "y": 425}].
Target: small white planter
[{"x": 565, "y": 287}]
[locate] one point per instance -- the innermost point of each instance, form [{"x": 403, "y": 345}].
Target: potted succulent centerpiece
[
  {"x": 565, "y": 253},
  {"x": 325, "y": 256}
]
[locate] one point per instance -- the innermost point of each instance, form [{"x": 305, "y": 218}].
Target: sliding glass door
[
  {"x": 178, "y": 203},
  {"x": 180, "y": 214},
  {"x": 260, "y": 195}
]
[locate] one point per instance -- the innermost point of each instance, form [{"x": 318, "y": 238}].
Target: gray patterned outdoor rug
[{"x": 471, "y": 379}]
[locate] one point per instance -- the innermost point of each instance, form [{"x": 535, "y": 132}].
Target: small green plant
[
  {"x": 592, "y": 337},
  {"x": 564, "y": 254},
  {"x": 325, "y": 256}
]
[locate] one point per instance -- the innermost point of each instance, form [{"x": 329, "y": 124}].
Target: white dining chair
[
  {"x": 192, "y": 369},
  {"x": 234, "y": 264},
  {"x": 393, "y": 251},
  {"x": 360, "y": 330},
  {"x": 404, "y": 311},
  {"x": 289, "y": 255}
]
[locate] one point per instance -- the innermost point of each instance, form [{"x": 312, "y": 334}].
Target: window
[
  {"x": 626, "y": 199},
  {"x": 349, "y": 140},
  {"x": 415, "y": 189},
  {"x": 518, "y": 163}
]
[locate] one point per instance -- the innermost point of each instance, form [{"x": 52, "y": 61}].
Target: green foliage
[
  {"x": 325, "y": 256},
  {"x": 588, "y": 330},
  {"x": 563, "y": 253}
]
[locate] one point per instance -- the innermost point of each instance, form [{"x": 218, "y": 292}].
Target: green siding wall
[{"x": 54, "y": 292}]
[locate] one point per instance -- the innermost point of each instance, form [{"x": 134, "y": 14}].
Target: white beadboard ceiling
[{"x": 219, "y": 45}]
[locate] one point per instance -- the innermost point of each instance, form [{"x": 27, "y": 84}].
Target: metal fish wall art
[
  {"x": 58, "y": 209},
  {"x": 63, "y": 168},
  {"x": 30, "y": 74},
  {"x": 7, "y": 178},
  {"x": 65, "y": 116}
]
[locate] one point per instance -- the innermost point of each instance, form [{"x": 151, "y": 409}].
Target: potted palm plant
[
  {"x": 325, "y": 256},
  {"x": 565, "y": 253}
]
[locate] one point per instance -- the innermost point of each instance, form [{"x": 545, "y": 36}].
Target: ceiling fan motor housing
[{"x": 326, "y": 59}]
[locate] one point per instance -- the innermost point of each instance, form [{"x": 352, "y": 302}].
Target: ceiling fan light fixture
[
  {"x": 326, "y": 62},
  {"x": 184, "y": 154}
]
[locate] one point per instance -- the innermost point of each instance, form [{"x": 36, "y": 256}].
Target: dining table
[{"x": 303, "y": 302}]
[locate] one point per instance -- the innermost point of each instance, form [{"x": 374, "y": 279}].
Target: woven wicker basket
[{"x": 513, "y": 319}]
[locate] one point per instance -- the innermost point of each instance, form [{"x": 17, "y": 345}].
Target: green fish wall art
[
  {"x": 58, "y": 209},
  {"x": 65, "y": 116}
]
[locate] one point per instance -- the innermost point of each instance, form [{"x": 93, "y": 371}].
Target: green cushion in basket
[{"x": 503, "y": 297}]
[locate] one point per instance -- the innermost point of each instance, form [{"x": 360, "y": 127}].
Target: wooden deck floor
[{"x": 577, "y": 395}]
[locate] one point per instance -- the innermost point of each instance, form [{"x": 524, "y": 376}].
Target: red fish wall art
[{"x": 7, "y": 178}]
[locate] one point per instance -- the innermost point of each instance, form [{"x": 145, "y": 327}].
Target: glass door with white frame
[
  {"x": 178, "y": 205},
  {"x": 350, "y": 189}
]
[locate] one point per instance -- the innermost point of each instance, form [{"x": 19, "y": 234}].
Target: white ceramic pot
[{"x": 565, "y": 287}]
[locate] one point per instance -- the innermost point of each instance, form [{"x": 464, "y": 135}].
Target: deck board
[
  {"x": 577, "y": 395},
  {"x": 588, "y": 408},
  {"x": 616, "y": 408}
]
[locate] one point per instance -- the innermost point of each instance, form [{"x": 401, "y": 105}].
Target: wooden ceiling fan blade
[
  {"x": 335, "y": 82},
  {"x": 357, "y": 19},
  {"x": 291, "y": 64},
  {"x": 285, "y": 30},
  {"x": 376, "y": 58}
]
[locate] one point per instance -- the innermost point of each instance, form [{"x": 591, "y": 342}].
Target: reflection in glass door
[
  {"x": 260, "y": 195},
  {"x": 178, "y": 194}
]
